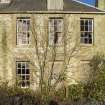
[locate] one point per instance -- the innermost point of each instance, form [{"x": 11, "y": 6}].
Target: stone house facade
[{"x": 22, "y": 21}]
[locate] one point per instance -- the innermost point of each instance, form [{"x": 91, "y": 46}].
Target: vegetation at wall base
[{"x": 91, "y": 93}]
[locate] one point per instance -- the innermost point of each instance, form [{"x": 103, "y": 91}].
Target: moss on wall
[{"x": 4, "y": 48}]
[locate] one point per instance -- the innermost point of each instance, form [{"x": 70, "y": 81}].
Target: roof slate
[{"x": 41, "y": 5}]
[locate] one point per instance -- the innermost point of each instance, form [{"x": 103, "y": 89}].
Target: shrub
[
  {"x": 95, "y": 88},
  {"x": 75, "y": 92},
  {"x": 17, "y": 96}
]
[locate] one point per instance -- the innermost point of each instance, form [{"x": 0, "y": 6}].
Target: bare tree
[{"x": 46, "y": 55}]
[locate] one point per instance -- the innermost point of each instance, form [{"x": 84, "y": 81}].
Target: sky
[{"x": 92, "y": 2}]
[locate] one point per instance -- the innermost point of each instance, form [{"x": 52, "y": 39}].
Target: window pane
[
  {"x": 25, "y": 26},
  {"x": 55, "y": 25},
  {"x": 28, "y": 35},
  {"x": 82, "y": 40},
  {"x": 85, "y": 34},
  {"x": 55, "y": 38},
  {"x": 90, "y": 22},
  {"x": 19, "y": 25},
  {"x": 19, "y": 71},
  {"x": 59, "y": 25},
  {"x": 27, "y": 77},
  {"x": 82, "y": 28},
  {"x": 23, "y": 77},
  {"x": 27, "y": 71},
  {"x": 27, "y": 65},
  {"x": 86, "y": 28},
  {"x": 86, "y": 22},
  {"x": 90, "y": 28},
  {"x": 51, "y": 25},
  {"x": 51, "y": 38},
  {"x": 23, "y": 84},
  {"x": 86, "y": 40},
  {"x": 90, "y": 35},
  {"x": 23, "y": 70},
  {"x": 82, "y": 34},
  {"x": 82, "y": 22},
  {"x": 23, "y": 65},
  {"x": 27, "y": 83},
  {"x": 59, "y": 40},
  {"x": 90, "y": 40}
]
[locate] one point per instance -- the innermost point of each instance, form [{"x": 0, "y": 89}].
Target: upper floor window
[
  {"x": 23, "y": 74},
  {"x": 86, "y": 28},
  {"x": 23, "y": 30},
  {"x": 55, "y": 31}
]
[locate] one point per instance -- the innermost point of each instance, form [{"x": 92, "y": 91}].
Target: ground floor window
[{"x": 23, "y": 74}]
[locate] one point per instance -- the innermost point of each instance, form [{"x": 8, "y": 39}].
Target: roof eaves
[{"x": 51, "y": 12}]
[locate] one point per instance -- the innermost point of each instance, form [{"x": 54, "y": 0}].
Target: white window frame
[
  {"x": 23, "y": 36},
  {"x": 55, "y": 33},
  {"x": 89, "y": 32},
  {"x": 23, "y": 77}
]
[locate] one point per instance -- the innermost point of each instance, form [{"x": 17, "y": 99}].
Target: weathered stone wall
[{"x": 10, "y": 52}]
